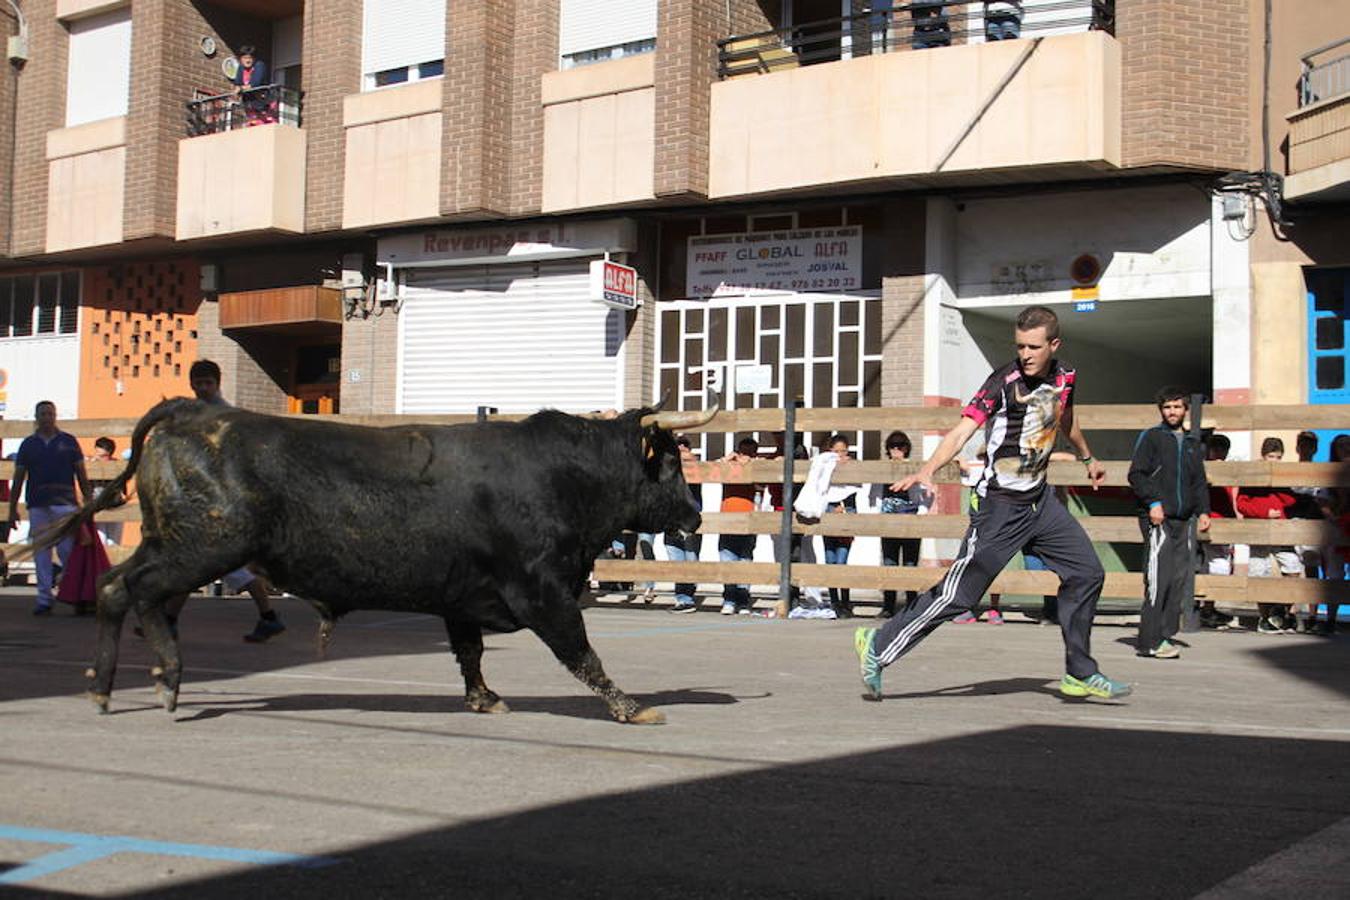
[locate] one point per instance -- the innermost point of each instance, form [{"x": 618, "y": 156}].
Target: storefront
[{"x": 506, "y": 318}]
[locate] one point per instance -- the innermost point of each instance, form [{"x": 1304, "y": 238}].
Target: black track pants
[
  {"x": 1169, "y": 584},
  {"x": 998, "y": 530}
]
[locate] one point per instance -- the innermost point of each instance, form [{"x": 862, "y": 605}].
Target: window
[
  {"x": 46, "y": 304},
  {"x": 1328, "y": 306},
  {"x": 598, "y": 30},
  {"x": 98, "y": 75},
  {"x": 402, "y": 41}
]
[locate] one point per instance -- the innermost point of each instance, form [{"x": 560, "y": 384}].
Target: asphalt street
[{"x": 1226, "y": 774}]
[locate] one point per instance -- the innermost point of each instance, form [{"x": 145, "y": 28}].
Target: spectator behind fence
[
  {"x": 800, "y": 548},
  {"x": 105, "y": 450},
  {"x": 51, "y": 462},
  {"x": 738, "y": 498},
  {"x": 1002, "y": 19},
  {"x": 1167, "y": 474},
  {"x": 1217, "y": 559},
  {"x": 1338, "y": 510},
  {"x": 1268, "y": 560},
  {"x": 972, "y": 470},
  {"x": 888, "y": 499},
  {"x": 684, "y": 546},
  {"x": 840, "y": 498}
]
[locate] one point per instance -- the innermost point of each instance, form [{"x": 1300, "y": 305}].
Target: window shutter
[
  {"x": 400, "y": 33},
  {"x": 592, "y": 24},
  {"x": 99, "y": 71}
]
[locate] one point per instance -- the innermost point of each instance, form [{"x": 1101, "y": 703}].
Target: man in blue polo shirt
[{"x": 50, "y": 461}]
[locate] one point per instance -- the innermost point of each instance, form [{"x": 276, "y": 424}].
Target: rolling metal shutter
[
  {"x": 519, "y": 337},
  {"x": 592, "y": 24},
  {"x": 399, "y": 33}
]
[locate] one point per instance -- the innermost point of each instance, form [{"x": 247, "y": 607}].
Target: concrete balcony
[
  {"x": 599, "y": 134},
  {"x": 392, "y": 165},
  {"x": 86, "y": 180},
  {"x": 241, "y": 181},
  {"x": 1319, "y": 152},
  {"x": 980, "y": 113}
]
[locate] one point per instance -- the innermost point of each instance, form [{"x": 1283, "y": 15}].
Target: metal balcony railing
[
  {"x": 908, "y": 26},
  {"x": 266, "y": 105},
  {"x": 1325, "y": 80}
]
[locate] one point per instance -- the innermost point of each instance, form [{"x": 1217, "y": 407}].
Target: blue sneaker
[
  {"x": 265, "y": 630},
  {"x": 868, "y": 663},
  {"x": 1095, "y": 685}
]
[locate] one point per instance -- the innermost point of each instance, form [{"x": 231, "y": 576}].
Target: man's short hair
[
  {"x": 41, "y": 403},
  {"x": 747, "y": 442},
  {"x": 108, "y": 444},
  {"x": 1219, "y": 442},
  {"x": 682, "y": 440},
  {"x": 1272, "y": 445},
  {"x": 1171, "y": 392},
  {"x": 248, "y": 50},
  {"x": 1307, "y": 437},
  {"x": 204, "y": 368},
  {"x": 1039, "y": 317}
]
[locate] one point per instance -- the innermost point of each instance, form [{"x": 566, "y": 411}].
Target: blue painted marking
[
  {"x": 85, "y": 848},
  {"x": 1085, "y": 306}
]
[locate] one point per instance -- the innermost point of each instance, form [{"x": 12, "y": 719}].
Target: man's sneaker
[
  {"x": 965, "y": 618},
  {"x": 868, "y": 663},
  {"x": 684, "y": 608},
  {"x": 728, "y": 608},
  {"x": 743, "y": 610},
  {"x": 1266, "y": 626},
  {"x": 41, "y": 610},
  {"x": 1166, "y": 650},
  {"x": 994, "y": 617},
  {"x": 264, "y": 630},
  {"x": 1095, "y": 685}
]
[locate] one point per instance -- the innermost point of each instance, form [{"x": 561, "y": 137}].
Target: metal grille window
[
  {"x": 1328, "y": 306},
  {"x": 822, "y": 348},
  {"x": 37, "y": 305}
]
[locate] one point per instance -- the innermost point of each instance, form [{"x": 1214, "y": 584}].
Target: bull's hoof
[
  {"x": 494, "y": 705},
  {"x": 167, "y": 698},
  {"x": 101, "y": 701},
  {"x": 646, "y": 716}
]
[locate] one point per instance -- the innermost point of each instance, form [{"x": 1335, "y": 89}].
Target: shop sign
[
  {"x": 507, "y": 243},
  {"x": 819, "y": 259},
  {"x": 614, "y": 285}
]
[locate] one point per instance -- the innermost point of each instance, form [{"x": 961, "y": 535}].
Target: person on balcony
[
  {"x": 248, "y": 80},
  {"x": 930, "y": 26},
  {"x": 1002, "y": 20}
]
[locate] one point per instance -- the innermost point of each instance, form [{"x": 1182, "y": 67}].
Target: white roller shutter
[
  {"x": 98, "y": 74},
  {"x": 519, "y": 338},
  {"x": 398, "y": 33},
  {"x": 592, "y": 24}
]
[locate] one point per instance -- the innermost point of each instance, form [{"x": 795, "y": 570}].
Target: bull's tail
[{"x": 112, "y": 493}]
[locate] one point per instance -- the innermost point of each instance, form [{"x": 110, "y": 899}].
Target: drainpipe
[{"x": 17, "y": 65}]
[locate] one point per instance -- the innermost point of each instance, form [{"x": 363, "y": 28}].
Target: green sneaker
[
  {"x": 868, "y": 662},
  {"x": 1095, "y": 685}
]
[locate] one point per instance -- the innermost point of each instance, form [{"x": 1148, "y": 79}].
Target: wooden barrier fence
[{"x": 1238, "y": 590}]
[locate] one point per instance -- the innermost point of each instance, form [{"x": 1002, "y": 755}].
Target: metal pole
[
  {"x": 1190, "y": 613},
  {"x": 485, "y": 411},
  {"x": 785, "y": 522}
]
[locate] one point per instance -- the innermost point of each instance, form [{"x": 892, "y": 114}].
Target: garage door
[{"x": 518, "y": 337}]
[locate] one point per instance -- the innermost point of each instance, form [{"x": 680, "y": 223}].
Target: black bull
[{"x": 489, "y": 526}]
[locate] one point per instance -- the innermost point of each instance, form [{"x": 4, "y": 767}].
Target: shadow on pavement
[
  {"x": 1044, "y": 812},
  {"x": 1324, "y": 661}
]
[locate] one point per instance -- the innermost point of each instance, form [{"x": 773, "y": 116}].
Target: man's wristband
[{"x": 1086, "y": 460}]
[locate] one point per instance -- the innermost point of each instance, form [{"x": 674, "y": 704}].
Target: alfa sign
[{"x": 614, "y": 285}]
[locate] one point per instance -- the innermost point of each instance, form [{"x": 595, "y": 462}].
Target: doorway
[{"x": 316, "y": 380}]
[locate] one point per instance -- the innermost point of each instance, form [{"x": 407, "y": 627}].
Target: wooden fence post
[{"x": 784, "y": 536}]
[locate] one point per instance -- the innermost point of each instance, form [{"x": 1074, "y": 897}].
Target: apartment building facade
[{"x": 843, "y": 202}]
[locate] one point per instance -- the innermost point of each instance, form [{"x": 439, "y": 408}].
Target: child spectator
[
  {"x": 739, "y": 498},
  {"x": 1217, "y": 558},
  {"x": 840, "y": 498},
  {"x": 105, "y": 449},
  {"x": 1270, "y": 503},
  {"x": 684, "y": 546},
  {"x": 888, "y": 499}
]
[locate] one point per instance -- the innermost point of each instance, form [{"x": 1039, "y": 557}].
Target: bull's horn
[{"x": 679, "y": 421}]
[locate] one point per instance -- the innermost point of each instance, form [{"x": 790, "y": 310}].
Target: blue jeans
[
  {"x": 1002, "y": 26},
  {"x": 684, "y": 591},
  {"x": 736, "y": 548},
  {"x": 40, "y": 518}
]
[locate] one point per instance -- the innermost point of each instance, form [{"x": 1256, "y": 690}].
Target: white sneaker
[{"x": 728, "y": 608}]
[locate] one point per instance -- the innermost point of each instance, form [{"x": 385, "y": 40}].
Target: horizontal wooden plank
[
  {"x": 1269, "y": 417},
  {"x": 1237, "y": 589}
]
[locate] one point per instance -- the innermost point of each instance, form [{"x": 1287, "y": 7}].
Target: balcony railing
[
  {"x": 908, "y": 26},
  {"x": 1327, "y": 79},
  {"x": 266, "y": 105}
]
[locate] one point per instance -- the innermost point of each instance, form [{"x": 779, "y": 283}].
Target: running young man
[{"x": 1022, "y": 406}]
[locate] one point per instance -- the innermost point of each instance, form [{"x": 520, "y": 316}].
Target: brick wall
[
  {"x": 477, "y": 86},
  {"x": 902, "y": 298},
  {"x": 370, "y": 347},
  {"x": 686, "y": 65},
  {"x": 42, "y": 107},
  {"x": 536, "y": 52},
  {"x": 1185, "y": 82},
  {"x": 8, "y": 84},
  {"x": 331, "y": 58}
]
